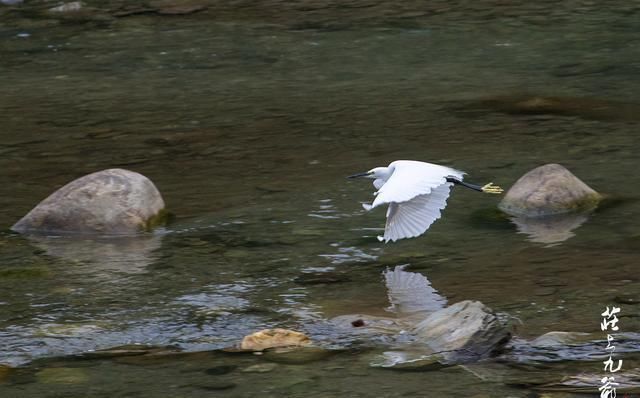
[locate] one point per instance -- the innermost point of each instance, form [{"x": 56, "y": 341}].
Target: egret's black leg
[
  {"x": 488, "y": 188},
  {"x": 465, "y": 184}
]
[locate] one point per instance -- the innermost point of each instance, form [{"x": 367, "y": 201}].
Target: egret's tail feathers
[
  {"x": 494, "y": 189},
  {"x": 367, "y": 206}
]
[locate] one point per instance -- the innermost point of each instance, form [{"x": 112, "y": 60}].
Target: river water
[{"x": 248, "y": 117}]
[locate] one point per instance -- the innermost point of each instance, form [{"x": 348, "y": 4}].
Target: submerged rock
[
  {"x": 74, "y": 6},
  {"x": 270, "y": 338},
  {"x": 113, "y": 201},
  {"x": 297, "y": 355},
  {"x": 548, "y": 190},
  {"x": 62, "y": 376},
  {"x": 587, "y": 108}
]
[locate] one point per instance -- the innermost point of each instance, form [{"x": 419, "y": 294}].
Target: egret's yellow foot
[{"x": 490, "y": 188}]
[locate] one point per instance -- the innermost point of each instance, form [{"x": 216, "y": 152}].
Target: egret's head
[{"x": 378, "y": 172}]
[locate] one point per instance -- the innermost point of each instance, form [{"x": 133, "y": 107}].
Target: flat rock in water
[
  {"x": 548, "y": 190},
  {"x": 465, "y": 330},
  {"x": 113, "y": 201}
]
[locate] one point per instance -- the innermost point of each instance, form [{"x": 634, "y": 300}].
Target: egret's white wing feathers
[
  {"x": 416, "y": 193},
  {"x": 410, "y": 179},
  {"x": 412, "y": 218}
]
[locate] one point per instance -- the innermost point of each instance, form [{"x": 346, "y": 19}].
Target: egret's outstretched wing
[
  {"x": 411, "y": 293},
  {"x": 412, "y": 218},
  {"x": 410, "y": 179}
]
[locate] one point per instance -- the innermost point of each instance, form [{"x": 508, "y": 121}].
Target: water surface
[{"x": 248, "y": 122}]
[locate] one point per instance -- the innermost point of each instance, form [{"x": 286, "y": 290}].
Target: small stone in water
[{"x": 357, "y": 323}]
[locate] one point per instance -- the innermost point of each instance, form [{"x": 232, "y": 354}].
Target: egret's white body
[{"x": 416, "y": 193}]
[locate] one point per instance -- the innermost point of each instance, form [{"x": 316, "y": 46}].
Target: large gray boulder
[
  {"x": 468, "y": 328},
  {"x": 548, "y": 190},
  {"x": 113, "y": 201}
]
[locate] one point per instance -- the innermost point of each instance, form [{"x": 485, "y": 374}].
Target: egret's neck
[{"x": 384, "y": 173}]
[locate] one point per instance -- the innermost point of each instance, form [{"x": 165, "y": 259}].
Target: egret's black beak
[{"x": 366, "y": 173}]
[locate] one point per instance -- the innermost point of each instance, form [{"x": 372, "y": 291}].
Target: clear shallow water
[{"x": 248, "y": 124}]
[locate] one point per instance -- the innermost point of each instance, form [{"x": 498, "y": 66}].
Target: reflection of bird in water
[{"x": 416, "y": 193}]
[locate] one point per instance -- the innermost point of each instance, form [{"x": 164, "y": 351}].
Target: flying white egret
[{"x": 416, "y": 193}]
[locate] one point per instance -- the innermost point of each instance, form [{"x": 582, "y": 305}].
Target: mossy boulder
[
  {"x": 108, "y": 202},
  {"x": 548, "y": 190}
]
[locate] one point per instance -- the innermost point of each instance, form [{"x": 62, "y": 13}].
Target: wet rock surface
[
  {"x": 469, "y": 327},
  {"x": 548, "y": 190},
  {"x": 113, "y": 201}
]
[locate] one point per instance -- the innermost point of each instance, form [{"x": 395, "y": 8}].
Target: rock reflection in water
[
  {"x": 549, "y": 230},
  {"x": 102, "y": 256}
]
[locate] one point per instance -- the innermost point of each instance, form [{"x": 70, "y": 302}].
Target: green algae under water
[{"x": 248, "y": 122}]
